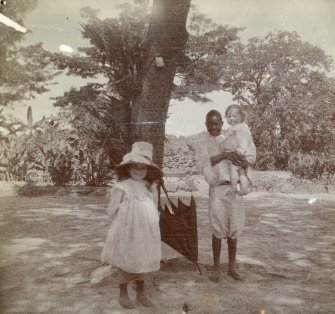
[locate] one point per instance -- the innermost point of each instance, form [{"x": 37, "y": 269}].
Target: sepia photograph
[{"x": 167, "y": 156}]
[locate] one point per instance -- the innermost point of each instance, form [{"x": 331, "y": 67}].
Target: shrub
[
  {"x": 312, "y": 166},
  {"x": 188, "y": 183},
  {"x": 32, "y": 190},
  {"x": 61, "y": 170}
]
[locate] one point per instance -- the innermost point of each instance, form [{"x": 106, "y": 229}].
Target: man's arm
[
  {"x": 235, "y": 157},
  {"x": 203, "y": 162}
]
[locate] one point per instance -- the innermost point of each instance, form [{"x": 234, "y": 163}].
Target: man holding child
[{"x": 225, "y": 216}]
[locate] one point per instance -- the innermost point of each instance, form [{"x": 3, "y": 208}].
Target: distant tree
[
  {"x": 283, "y": 84},
  {"x": 24, "y": 70},
  {"x": 134, "y": 103}
]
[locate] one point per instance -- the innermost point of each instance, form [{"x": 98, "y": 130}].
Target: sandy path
[{"x": 51, "y": 245}]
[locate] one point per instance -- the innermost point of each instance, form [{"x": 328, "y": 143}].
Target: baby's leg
[
  {"x": 244, "y": 181},
  {"x": 234, "y": 176}
]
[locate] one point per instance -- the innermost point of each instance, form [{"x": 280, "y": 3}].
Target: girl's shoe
[
  {"x": 126, "y": 302},
  {"x": 144, "y": 300}
]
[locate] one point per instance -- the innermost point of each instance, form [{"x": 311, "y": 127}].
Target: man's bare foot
[
  {"x": 217, "y": 275},
  {"x": 233, "y": 273}
]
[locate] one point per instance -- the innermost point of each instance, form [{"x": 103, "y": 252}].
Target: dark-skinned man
[{"x": 226, "y": 217}]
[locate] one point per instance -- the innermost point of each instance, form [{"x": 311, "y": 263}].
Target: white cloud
[{"x": 65, "y": 48}]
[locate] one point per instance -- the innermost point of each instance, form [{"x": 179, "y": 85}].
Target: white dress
[
  {"x": 133, "y": 241},
  {"x": 239, "y": 138}
]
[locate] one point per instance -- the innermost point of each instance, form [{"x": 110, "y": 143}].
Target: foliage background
[{"x": 282, "y": 82}]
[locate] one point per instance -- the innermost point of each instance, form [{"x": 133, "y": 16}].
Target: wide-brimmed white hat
[{"x": 141, "y": 153}]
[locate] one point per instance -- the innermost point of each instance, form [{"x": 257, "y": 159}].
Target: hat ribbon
[{"x": 133, "y": 156}]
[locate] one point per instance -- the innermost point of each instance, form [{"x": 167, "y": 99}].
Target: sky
[{"x": 58, "y": 22}]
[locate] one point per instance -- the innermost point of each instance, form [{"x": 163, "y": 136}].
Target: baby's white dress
[{"x": 133, "y": 241}]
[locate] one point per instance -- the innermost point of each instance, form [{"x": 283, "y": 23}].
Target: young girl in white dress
[{"x": 133, "y": 243}]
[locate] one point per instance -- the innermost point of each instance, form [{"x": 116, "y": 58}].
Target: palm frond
[{"x": 96, "y": 39}]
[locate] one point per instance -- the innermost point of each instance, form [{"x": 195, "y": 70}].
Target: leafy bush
[
  {"x": 188, "y": 183},
  {"x": 61, "y": 170},
  {"x": 54, "y": 151},
  {"x": 313, "y": 166},
  {"x": 179, "y": 155},
  {"x": 32, "y": 190}
]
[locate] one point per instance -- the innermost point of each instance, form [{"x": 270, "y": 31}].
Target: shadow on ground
[{"x": 50, "y": 247}]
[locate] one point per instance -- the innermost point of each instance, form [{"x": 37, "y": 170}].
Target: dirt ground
[{"x": 50, "y": 248}]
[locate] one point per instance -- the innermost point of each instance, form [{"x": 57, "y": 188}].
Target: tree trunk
[{"x": 166, "y": 38}]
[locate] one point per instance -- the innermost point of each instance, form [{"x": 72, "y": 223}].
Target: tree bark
[{"x": 166, "y": 38}]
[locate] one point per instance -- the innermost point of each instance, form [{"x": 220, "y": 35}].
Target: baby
[{"x": 238, "y": 139}]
